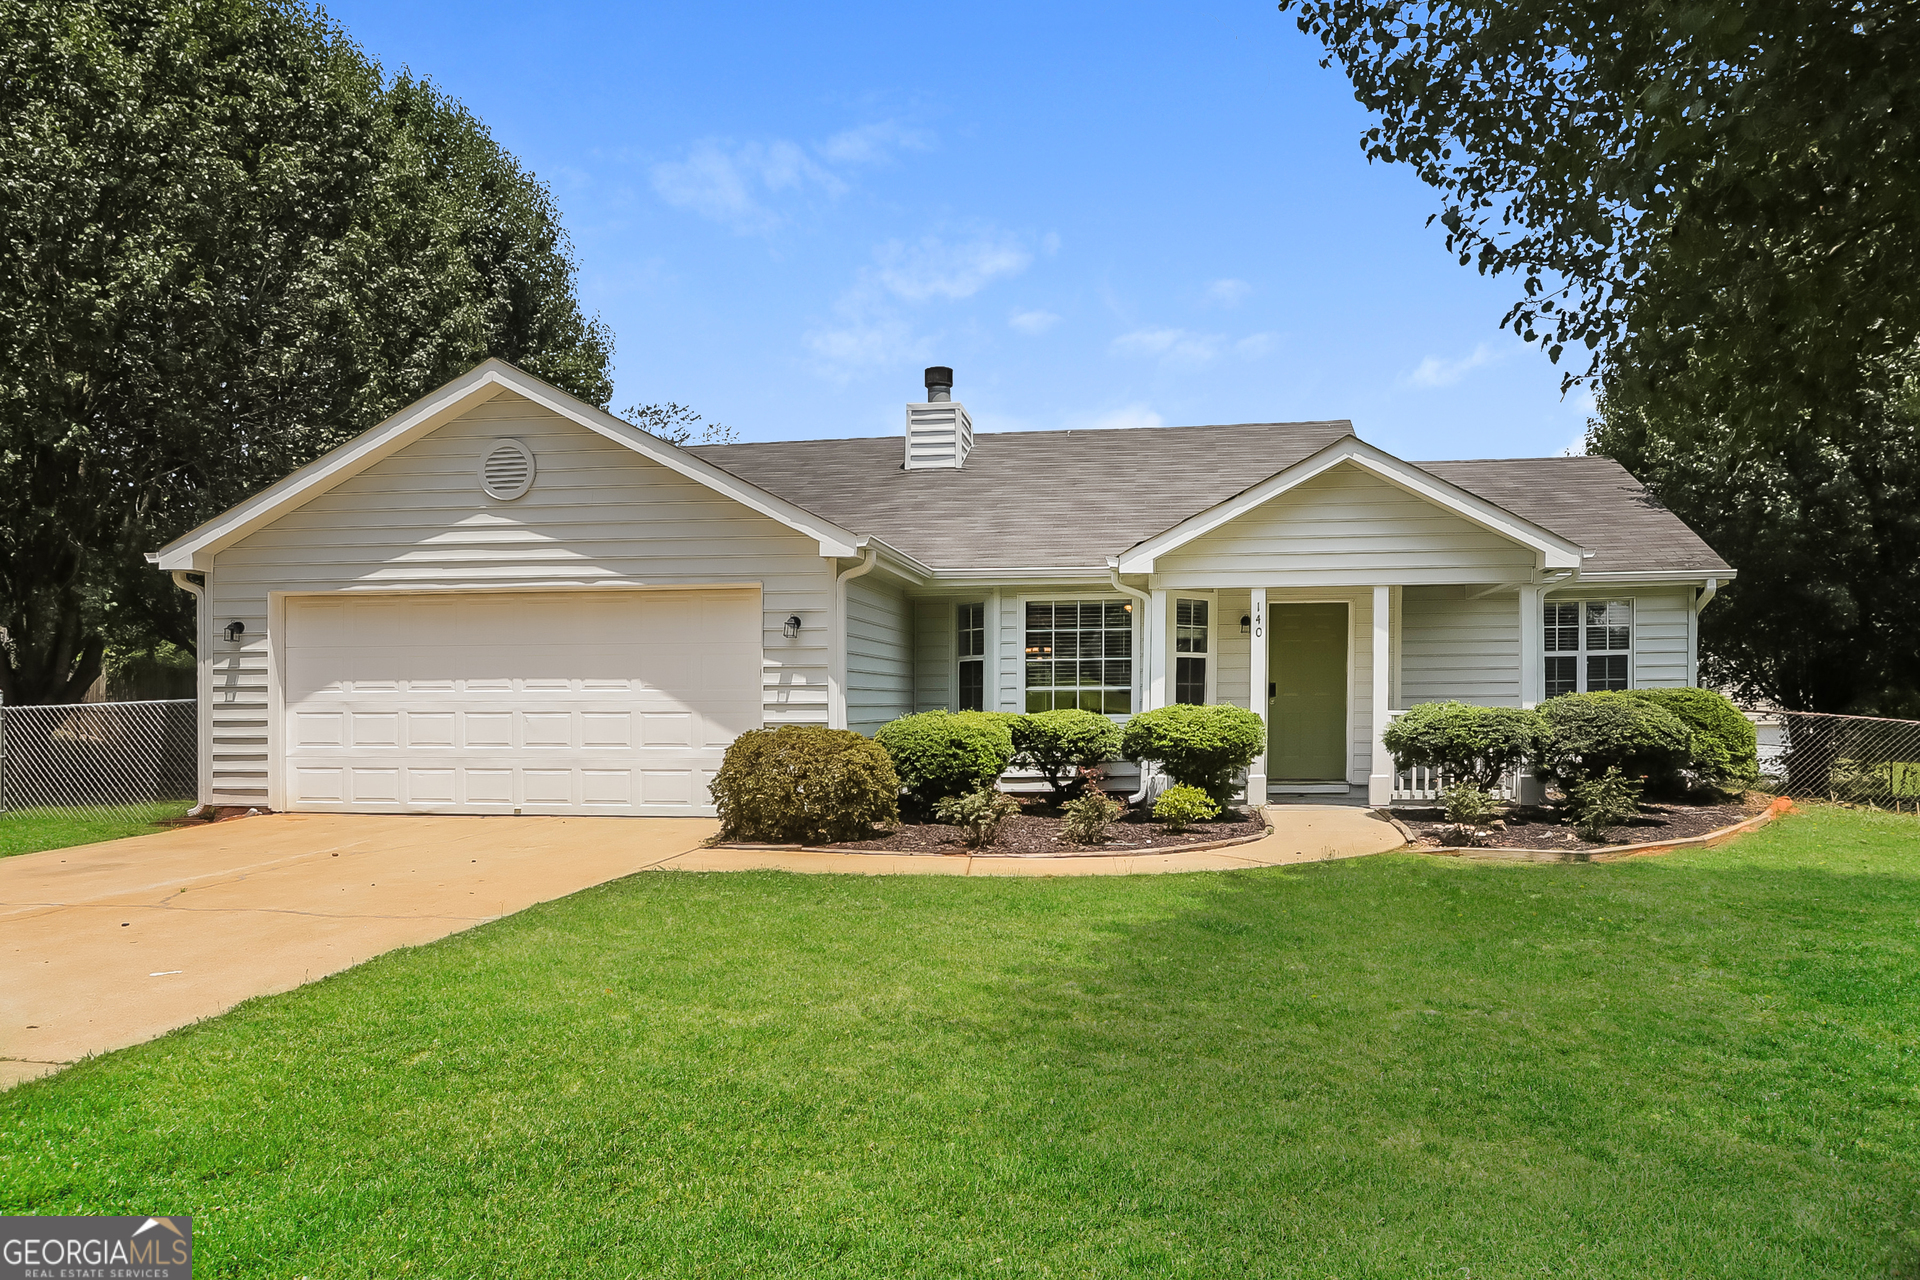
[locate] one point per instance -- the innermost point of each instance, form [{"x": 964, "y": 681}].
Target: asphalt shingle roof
[{"x": 1070, "y": 499}]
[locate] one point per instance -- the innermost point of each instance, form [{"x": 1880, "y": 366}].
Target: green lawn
[
  {"x": 31, "y": 830},
  {"x": 1703, "y": 1065}
]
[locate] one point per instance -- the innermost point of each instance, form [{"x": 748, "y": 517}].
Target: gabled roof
[
  {"x": 1071, "y": 499},
  {"x": 1028, "y": 499},
  {"x": 1554, "y": 551},
  {"x": 486, "y": 380}
]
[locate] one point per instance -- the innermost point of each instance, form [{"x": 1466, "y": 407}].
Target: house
[{"x": 504, "y": 600}]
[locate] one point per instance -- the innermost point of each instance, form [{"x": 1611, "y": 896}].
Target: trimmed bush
[
  {"x": 1201, "y": 747},
  {"x": 803, "y": 784},
  {"x": 1062, "y": 743},
  {"x": 1725, "y": 748},
  {"x": 939, "y": 754},
  {"x": 1180, "y": 807},
  {"x": 1590, "y": 733},
  {"x": 978, "y": 813},
  {"x": 1467, "y": 743}
]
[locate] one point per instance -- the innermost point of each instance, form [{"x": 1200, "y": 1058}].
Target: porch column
[
  {"x": 1533, "y": 676},
  {"x": 1257, "y": 694},
  {"x": 1380, "y": 780},
  {"x": 1157, "y": 651}
]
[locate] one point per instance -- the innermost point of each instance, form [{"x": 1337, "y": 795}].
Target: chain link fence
[
  {"x": 1858, "y": 759},
  {"x": 106, "y": 759}
]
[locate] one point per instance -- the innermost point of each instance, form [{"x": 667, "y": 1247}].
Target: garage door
[{"x": 617, "y": 702}]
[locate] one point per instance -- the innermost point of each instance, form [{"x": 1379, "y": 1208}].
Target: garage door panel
[{"x": 540, "y": 702}]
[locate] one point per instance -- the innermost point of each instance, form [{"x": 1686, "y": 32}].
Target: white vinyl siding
[
  {"x": 933, "y": 655},
  {"x": 1232, "y": 650},
  {"x": 1455, "y": 648},
  {"x": 879, "y": 655},
  {"x": 598, "y": 514},
  {"x": 1342, "y": 527}
]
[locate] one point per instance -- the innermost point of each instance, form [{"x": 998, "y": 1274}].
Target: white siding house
[{"x": 503, "y": 600}]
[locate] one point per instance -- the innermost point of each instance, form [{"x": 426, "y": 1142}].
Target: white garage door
[{"x": 532, "y": 702}]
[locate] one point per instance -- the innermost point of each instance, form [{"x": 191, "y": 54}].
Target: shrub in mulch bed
[
  {"x": 1545, "y": 828},
  {"x": 1039, "y": 829}
]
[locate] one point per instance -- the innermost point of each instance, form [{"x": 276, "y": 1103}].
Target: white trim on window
[
  {"x": 1183, "y": 633},
  {"x": 1030, "y": 660},
  {"x": 1588, "y": 645},
  {"x": 973, "y": 646}
]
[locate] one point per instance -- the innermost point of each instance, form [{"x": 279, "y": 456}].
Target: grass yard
[
  {"x": 32, "y": 830},
  {"x": 1697, "y": 1065}
]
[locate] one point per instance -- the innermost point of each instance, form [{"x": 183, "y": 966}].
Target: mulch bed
[
  {"x": 1534, "y": 828},
  {"x": 1038, "y": 831}
]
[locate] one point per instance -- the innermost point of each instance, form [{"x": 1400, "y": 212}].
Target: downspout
[
  {"x": 837, "y": 663},
  {"x": 1142, "y": 664},
  {"x": 199, "y": 593},
  {"x": 1706, "y": 597}
]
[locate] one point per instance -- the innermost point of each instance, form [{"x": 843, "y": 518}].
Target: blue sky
[{"x": 1099, "y": 216}]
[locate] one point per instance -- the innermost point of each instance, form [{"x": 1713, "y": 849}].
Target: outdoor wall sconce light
[
  {"x": 792, "y": 628},
  {"x": 1246, "y": 624},
  {"x": 235, "y": 630}
]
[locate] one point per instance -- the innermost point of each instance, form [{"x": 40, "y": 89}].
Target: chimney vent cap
[{"x": 939, "y": 381}]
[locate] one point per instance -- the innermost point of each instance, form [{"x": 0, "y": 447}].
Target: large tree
[
  {"x": 227, "y": 244},
  {"x": 1715, "y": 210}
]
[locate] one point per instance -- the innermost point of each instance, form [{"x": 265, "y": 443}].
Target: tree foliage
[
  {"x": 1720, "y": 204},
  {"x": 227, "y": 244}
]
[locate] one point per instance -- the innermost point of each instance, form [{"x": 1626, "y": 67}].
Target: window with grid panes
[
  {"x": 970, "y": 646},
  {"x": 1190, "y": 649},
  {"x": 1080, "y": 654},
  {"x": 1589, "y": 646}
]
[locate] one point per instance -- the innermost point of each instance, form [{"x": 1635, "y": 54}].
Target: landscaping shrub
[
  {"x": 801, "y": 783},
  {"x": 1590, "y": 733},
  {"x": 1203, "y": 747},
  {"x": 1062, "y": 744},
  {"x": 1467, "y": 805},
  {"x": 1180, "y": 807},
  {"x": 1603, "y": 802},
  {"x": 939, "y": 754},
  {"x": 1725, "y": 752},
  {"x": 979, "y": 813},
  {"x": 1467, "y": 743},
  {"x": 1087, "y": 816}
]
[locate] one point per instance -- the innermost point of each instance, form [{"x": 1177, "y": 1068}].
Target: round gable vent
[{"x": 508, "y": 470}]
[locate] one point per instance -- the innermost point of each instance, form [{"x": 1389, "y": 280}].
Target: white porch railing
[{"x": 1424, "y": 783}]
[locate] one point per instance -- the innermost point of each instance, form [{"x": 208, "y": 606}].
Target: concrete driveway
[{"x": 107, "y": 945}]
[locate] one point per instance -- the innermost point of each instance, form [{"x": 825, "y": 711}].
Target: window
[
  {"x": 1080, "y": 654},
  {"x": 1190, "y": 649},
  {"x": 1589, "y": 646},
  {"x": 970, "y": 645}
]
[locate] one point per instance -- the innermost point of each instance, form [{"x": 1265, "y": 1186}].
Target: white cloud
[
  {"x": 1228, "y": 293},
  {"x": 934, "y": 268},
  {"x": 1435, "y": 372},
  {"x": 874, "y": 143},
  {"x": 729, "y": 183},
  {"x": 733, "y": 182},
  {"x": 1254, "y": 345},
  {"x": 1033, "y": 322},
  {"x": 865, "y": 342},
  {"x": 1173, "y": 346}
]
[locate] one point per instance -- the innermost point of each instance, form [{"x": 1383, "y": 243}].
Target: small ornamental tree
[
  {"x": 1590, "y": 733},
  {"x": 1203, "y": 747},
  {"x": 804, "y": 784},
  {"x": 1061, "y": 744},
  {"x": 939, "y": 753},
  {"x": 1467, "y": 743}
]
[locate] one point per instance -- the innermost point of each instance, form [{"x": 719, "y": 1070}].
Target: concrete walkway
[{"x": 107, "y": 945}]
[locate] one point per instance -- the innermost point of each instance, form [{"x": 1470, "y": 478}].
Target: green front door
[{"x": 1307, "y": 712}]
